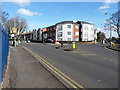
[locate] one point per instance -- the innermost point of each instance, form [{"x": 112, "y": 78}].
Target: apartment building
[
  {"x": 74, "y": 31},
  {"x": 34, "y": 35},
  {"x": 44, "y": 34},
  {"x": 51, "y": 32},
  {"x": 65, "y": 31},
  {"x": 39, "y": 34}
]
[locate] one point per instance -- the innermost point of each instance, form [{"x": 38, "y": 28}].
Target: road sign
[{"x": 14, "y": 30}]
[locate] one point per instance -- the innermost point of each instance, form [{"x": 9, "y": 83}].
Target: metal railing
[{"x": 4, "y": 49}]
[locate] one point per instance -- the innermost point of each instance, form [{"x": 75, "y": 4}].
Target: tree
[
  {"x": 16, "y": 22},
  {"x": 113, "y": 23},
  {"x": 100, "y": 36},
  {"x": 3, "y": 18}
]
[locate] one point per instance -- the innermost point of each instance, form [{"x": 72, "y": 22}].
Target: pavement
[
  {"x": 91, "y": 66},
  {"x": 27, "y": 72},
  {"x": 107, "y": 45}
]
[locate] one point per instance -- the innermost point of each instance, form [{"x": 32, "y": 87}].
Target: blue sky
[{"x": 43, "y": 14}]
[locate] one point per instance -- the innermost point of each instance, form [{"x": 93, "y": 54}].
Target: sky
[{"x": 43, "y": 14}]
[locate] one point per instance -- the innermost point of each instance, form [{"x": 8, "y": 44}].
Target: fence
[{"x": 4, "y": 48}]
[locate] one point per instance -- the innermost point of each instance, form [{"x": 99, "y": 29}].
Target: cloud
[
  {"x": 104, "y": 7},
  {"x": 110, "y": 1},
  {"x": 27, "y": 12},
  {"x": 107, "y": 4},
  {"x": 21, "y": 3}
]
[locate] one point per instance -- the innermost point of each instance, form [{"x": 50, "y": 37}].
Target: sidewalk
[{"x": 26, "y": 72}]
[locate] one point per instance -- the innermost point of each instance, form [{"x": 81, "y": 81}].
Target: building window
[
  {"x": 61, "y": 27},
  {"x": 85, "y": 34},
  {"x": 69, "y": 39},
  {"x": 50, "y": 34},
  {"x": 50, "y": 28},
  {"x": 69, "y": 33},
  {"x": 76, "y": 26},
  {"x": 54, "y": 34},
  {"x": 60, "y": 39},
  {"x": 76, "y": 33},
  {"x": 69, "y": 26},
  {"x": 54, "y": 28},
  {"x": 60, "y": 34},
  {"x": 76, "y": 39},
  {"x": 86, "y": 27}
]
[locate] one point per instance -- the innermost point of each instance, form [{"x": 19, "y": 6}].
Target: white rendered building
[{"x": 74, "y": 31}]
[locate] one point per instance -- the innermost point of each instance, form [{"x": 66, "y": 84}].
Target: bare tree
[
  {"x": 113, "y": 23},
  {"x": 16, "y": 22},
  {"x": 116, "y": 22},
  {"x": 3, "y": 18}
]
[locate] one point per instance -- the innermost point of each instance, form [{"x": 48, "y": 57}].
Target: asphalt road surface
[{"x": 92, "y": 66}]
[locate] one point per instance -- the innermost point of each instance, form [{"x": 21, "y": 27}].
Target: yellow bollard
[
  {"x": 112, "y": 44},
  {"x": 73, "y": 45}
]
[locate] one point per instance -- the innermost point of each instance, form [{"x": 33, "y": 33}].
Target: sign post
[{"x": 14, "y": 30}]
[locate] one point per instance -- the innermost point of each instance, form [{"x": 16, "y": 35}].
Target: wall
[
  {"x": 64, "y": 31},
  {"x": 87, "y": 32},
  {"x": 4, "y": 48}
]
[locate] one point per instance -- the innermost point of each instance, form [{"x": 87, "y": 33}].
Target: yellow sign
[{"x": 14, "y": 30}]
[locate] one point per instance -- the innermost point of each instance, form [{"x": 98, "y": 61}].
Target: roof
[
  {"x": 51, "y": 26},
  {"x": 73, "y": 22},
  {"x": 64, "y": 22}
]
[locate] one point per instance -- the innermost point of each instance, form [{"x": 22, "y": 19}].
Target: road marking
[
  {"x": 64, "y": 77},
  {"x": 110, "y": 49}
]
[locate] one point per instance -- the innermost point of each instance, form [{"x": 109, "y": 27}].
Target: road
[{"x": 92, "y": 66}]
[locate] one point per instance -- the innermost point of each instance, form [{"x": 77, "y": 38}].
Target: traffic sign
[{"x": 14, "y": 30}]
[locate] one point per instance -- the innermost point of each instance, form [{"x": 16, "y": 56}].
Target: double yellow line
[{"x": 64, "y": 77}]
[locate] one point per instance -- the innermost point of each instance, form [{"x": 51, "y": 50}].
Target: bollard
[
  {"x": 95, "y": 41},
  {"x": 112, "y": 44},
  {"x": 73, "y": 45}
]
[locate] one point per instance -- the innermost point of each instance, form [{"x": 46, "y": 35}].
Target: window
[
  {"x": 76, "y": 39},
  {"x": 54, "y": 28},
  {"x": 69, "y": 33},
  {"x": 60, "y": 39},
  {"x": 86, "y": 27},
  {"x": 50, "y": 34},
  {"x": 69, "y": 39},
  {"x": 60, "y": 34},
  {"x": 76, "y": 26},
  {"x": 85, "y": 34},
  {"x": 61, "y": 27},
  {"x": 76, "y": 33},
  {"x": 54, "y": 34},
  {"x": 69, "y": 26},
  {"x": 50, "y": 28}
]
